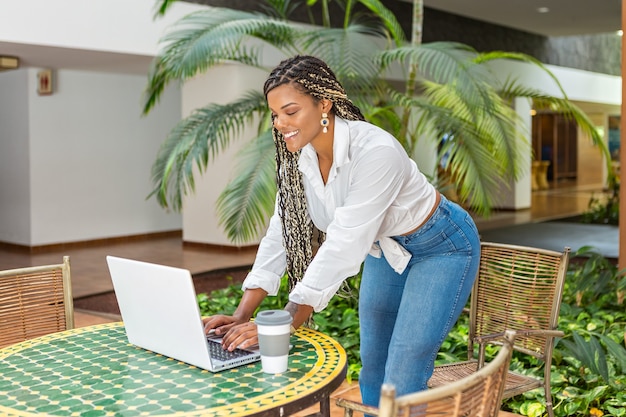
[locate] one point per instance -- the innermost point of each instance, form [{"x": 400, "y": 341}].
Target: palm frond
[
  {"x": 487, "y": 150},
  {"x": 486, "y": 145},
  {"x": 367, "y": 93},
  {"x": 280, "y": 9},
  {"x": 442, "y": 62},
  {"x": 248, "y": 200},
  {"x": 388, "y": 18},
  {"x": 518, "y": 56},
  {"x": 161, "y": 6},
  {"x": 195, "y": 140},
  {"x": 447, "y": 63},
  {"x": 384, "y": 117},
  {"x": 206, "y": 38},
  {"x": 470, "y": 167},
  {"x": 349, "y": 52}
]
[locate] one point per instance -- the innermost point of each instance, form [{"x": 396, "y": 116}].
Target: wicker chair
[
  {"x": 517, "y": 288},
  {"x": 478, "y": 394},
  {"x": 35, "y": 301}
]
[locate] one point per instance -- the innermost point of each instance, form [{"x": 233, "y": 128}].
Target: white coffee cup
[{"x": 273, "y": 327}]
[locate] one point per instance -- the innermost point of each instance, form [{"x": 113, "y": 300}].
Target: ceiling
[
  {"x": 43, "y": 56},
  {"x": 566, "y": 17},
  {"x": 563, "y": 18}
]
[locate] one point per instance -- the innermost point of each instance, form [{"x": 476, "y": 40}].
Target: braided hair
[{"x": 311, "y": 76}]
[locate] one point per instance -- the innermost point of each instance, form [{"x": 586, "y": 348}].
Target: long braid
[{"x": 314, "y": 77}]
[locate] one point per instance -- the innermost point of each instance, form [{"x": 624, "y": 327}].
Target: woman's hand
[
  {"x": 241, "y": 336},
  {"x": 250, "y": 301},
  {"x": 236, "y": 333},
  {"x": 219, "y": 323}
]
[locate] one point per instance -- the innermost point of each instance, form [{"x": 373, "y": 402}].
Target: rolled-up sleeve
[
  {"x": 376, "y": 178},
  {"x": 270, "y": 262}
]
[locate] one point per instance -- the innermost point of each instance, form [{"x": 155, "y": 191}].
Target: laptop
[{"x": 161, "y": 314}]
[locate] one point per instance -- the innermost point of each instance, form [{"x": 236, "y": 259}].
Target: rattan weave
[
  {"x": 35, "y": 301},
  {"x": 517, "y": 288},
  {"x": 478, "y": 394}
]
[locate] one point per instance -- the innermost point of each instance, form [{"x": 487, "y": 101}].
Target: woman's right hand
[
  {"x": 220, "y": 323},
  {"x": 239, "y": 336}
]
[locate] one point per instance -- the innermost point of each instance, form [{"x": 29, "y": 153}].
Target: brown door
[{"x": 554, "y": 139}]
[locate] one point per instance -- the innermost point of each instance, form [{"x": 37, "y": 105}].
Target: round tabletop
[{"x": 94, "y": 371}]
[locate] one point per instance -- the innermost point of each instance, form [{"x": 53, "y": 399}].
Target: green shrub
[
  {"x": 604, "y": 209},
  {"x": 589, "y": 363},
  {"x": 339, "y": 320}
]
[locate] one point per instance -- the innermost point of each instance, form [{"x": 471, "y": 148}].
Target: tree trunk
[
  {"x": 416, "y": 40},
  {"x": 621, "y": 261}
]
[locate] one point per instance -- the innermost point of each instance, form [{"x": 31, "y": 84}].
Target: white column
[
  {"x": 516, "y": 195},
  {"x": 221, "y": 84}
]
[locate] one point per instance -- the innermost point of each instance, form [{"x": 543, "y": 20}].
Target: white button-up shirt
[{"x": 374, "y": 191}]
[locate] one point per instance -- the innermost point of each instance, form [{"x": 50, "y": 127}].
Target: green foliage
[
  {"x": 460, "y": 96},
  {"x": 339, "y": 320},
  {"x": 604, "y": 209},
  {"x": 222, "y": 301},
  {"x": 595, "y": 277},
  {"x": 254, "y": 188},
  {"x": 589, "y": 363}
]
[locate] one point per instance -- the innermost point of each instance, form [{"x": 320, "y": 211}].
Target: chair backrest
[
  {"x": 479, "y": 394},
  {"x": 518, "y": 288},
  {"x": 35, "y": 301}
]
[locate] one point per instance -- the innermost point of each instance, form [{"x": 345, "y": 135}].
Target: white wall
[
  {"x": 89, "y": 158},
  {"x": 14, "y": 158},
  {"x": 76, "y": 165}
]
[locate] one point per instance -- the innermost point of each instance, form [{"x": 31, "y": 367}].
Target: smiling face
[{"x": 297, "y": 116}]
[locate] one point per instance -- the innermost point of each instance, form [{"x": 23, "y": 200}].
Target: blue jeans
[{"x": 405, "y": 318}]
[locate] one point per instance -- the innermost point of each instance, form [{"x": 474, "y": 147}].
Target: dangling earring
[{"x": 324, "y": 122}]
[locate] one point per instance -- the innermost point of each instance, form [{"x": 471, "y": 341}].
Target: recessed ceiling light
[{"x": 543, "y": 9}]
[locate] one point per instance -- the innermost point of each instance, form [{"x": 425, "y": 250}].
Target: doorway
[{"x": 554, "y": 140}]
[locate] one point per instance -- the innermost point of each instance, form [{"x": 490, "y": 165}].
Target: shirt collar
[
  {"x": 341, "y": 147},
  {"x": 341, "y": 143}
]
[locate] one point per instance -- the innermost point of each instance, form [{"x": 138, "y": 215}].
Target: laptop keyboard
[{"x": 217, "y": 352}]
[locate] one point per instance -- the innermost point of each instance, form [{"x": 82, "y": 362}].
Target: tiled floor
[
  {"x": 90, "y": 274},
  {"x": 89, "y": 271}
]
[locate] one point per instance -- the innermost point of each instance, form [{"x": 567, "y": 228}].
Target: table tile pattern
[{"x": 94, "y": 371}]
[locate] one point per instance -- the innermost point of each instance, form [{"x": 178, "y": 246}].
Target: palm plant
[
  {"x": 205, "y": 39},
  {"x": 459, "y": 97}
]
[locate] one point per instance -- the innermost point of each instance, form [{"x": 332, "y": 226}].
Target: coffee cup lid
[{"x": 273, "y": 317}]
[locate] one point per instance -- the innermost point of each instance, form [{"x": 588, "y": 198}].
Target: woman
[{"x": 355, "y": 183}]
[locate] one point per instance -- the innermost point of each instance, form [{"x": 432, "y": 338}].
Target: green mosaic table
[{"x": 94, "y": 371}]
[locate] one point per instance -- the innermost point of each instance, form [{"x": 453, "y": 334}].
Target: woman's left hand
[{"x": 241, "y": 336}]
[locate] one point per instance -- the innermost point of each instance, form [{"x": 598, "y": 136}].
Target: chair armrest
[
  {"x": 547, "y": 333},
  {"x": 351, "y": 406},
  {"x": 519, "y": 333},
  {"x": 484, "y": 339}
]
